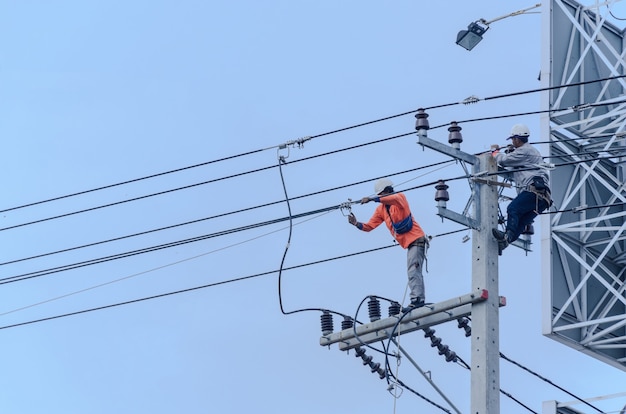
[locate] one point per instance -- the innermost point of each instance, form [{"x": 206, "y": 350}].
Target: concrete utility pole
[
  {"x": 485, "y": 392},
  {"x": 482, "y": 303},
  {"x": 485, "y": 364}
]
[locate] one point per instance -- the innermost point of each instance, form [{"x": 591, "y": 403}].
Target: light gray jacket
[{"x": 524, "y": 157}]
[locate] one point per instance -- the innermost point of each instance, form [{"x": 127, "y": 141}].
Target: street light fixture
[
  {"x": 469, "y": 38},
  {"x": 472, "y": 36}
]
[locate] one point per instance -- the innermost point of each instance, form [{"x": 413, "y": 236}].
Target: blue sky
[{"x": 97, "y": 93}]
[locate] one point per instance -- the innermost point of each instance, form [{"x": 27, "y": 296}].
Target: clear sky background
[{"x": 104, "y": 92}]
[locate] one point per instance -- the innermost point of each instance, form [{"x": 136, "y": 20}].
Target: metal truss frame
[{"x": 584, "y": 236}]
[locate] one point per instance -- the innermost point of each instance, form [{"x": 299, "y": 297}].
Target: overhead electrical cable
[
  {"x": 153, "y": 248},
  {"x": 230, "y": 231},
  {"x": 448, "y": 162},
  {"x": 110, "y": 282},
  {"x": 466, "y": 101},
  {"x": 548, "y": 381},
  {"x": 208, "y": 285},
  {"x": 188, "y": 240},
  {"x": 186, "y": 187},
  {"x": 131, "y": 181},
  {"x": 544, "y": 111}
]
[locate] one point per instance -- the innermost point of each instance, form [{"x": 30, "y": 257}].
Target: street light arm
[{"x": 516, "y": 13}]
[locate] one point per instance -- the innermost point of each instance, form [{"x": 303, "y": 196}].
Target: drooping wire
[
  {"x": 540, "y": 377},
  {"x": 281, "y": 160},
  {"x": 517, "y": 364}
]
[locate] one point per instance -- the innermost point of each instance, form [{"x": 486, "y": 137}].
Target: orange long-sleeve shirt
[{"x": 398, "y": 210}]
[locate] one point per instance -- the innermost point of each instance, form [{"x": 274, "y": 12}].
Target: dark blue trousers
[{"x": 521, "y": 212}]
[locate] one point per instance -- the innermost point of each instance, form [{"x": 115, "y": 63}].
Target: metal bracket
[
  {"x": 491, "y": 182},
  {"x": 419, "y": 318}
]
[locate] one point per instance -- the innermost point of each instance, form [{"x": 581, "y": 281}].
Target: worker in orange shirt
[{"x": 395, "y": 212}]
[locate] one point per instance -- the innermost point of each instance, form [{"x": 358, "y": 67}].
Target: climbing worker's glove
[
  {"x": 509, "y": 149},
  {"x": 365, "y": 200},
  {"x": 352, "y": 219}
]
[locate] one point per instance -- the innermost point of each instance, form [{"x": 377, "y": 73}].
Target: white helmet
[
  {"x": 519, "y": 130},
  {"x": 381, "y": 184}
]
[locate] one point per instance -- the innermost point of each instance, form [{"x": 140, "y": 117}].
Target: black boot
[
  {"x": 502, "y": 239},
  {"x": 415, "y": 303}
]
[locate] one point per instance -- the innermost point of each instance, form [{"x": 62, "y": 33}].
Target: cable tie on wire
[
  {"x": 470, "y": 100},
  {"x": 579, "y": 208},
  {"x": 580, "y": 107},
  {"x": 299, "y": 142}
]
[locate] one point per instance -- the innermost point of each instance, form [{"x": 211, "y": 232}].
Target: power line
[
  {"x": 201, "y": 183},
  {"x": 548, "y": 381},
  {"x": 465, "y": 102},
  {"x": 153, "y": 248},
  {"x": 449, "y": 162},
  {"x": 129, "y": 181},
  {"x": 225, "y": 232},
  {"x": 210, "y": 285}
]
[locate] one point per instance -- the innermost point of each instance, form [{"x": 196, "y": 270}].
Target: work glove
[
  {"x": 365, "y": 200},
  {"x": 352, "y": 219},
  {"x": 509, "y": 149}
]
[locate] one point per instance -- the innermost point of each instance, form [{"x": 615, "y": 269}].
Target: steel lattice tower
[{"x": 584, "y": 238}]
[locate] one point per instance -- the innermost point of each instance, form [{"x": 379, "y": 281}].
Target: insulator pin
[
  {"x": 455, "y": 138},
  {"x": 421, "y": 121},
  {"x": 441, "y": 195}
]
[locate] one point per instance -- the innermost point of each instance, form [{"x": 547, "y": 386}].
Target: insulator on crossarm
[
  {"x": 327, "y": 323},
  {"x": 394, "y": 309},
  {"x": 366, "y": 359},
  {"x": 435, "y": 341},
  {"x": 451, "y": 356},
  {"x": 347, "y": 323},
  {"x": 373, "y": 306},
  {"x": 441, "y": 195},
  {"x": 455, "y": 138},
  {"x": 464, "y": 323},
  {"x": 374, "y": 366},
  {"x": 443, "y": 349},
  {"x": 359, "y": 352},
  {"x": 421, "y": 121}
]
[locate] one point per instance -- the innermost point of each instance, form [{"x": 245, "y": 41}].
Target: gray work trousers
[{"x": 415, "y": 256}]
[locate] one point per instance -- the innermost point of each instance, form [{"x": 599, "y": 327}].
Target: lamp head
[{"x": 469, "y": 38}]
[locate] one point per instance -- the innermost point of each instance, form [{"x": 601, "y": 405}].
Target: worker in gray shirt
[{"x": 531, "y": 180}]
